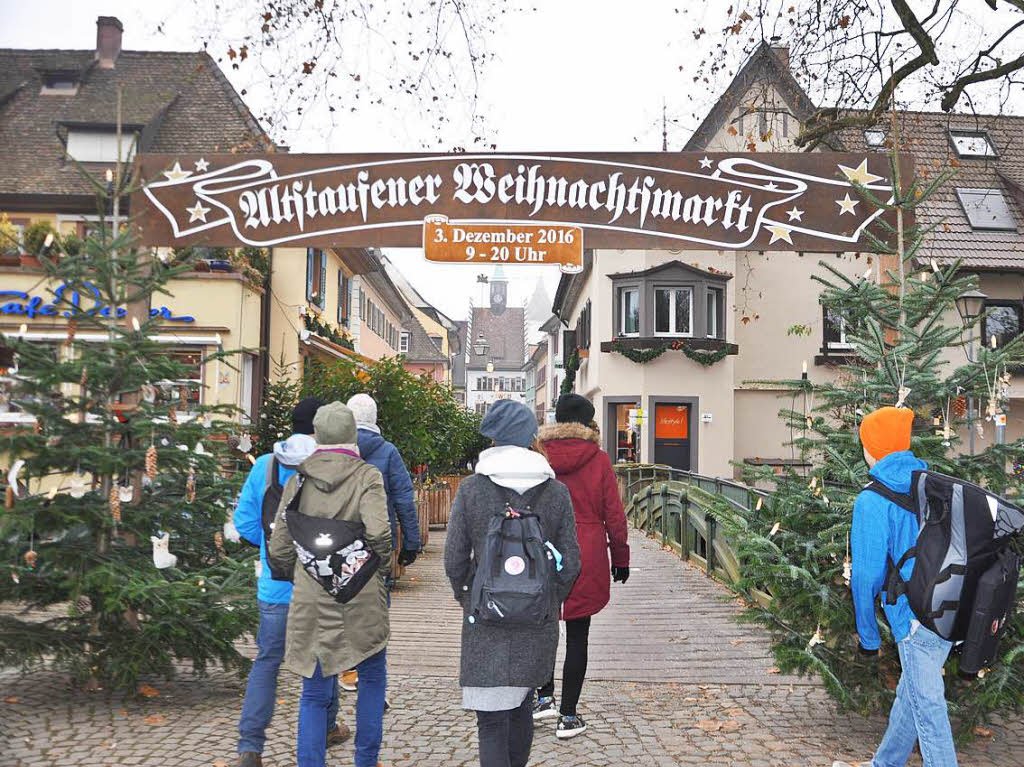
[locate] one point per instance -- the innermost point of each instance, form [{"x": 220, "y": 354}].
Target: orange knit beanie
[{"x": 886, "y": 430}]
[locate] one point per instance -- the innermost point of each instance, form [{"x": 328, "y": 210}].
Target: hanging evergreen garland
[
  {"x": 643, "y": 356},
  {"x": 572, "y": 364}
]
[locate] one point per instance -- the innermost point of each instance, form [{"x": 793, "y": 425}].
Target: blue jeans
[
  {"x": 919, "y": 713},
  {"x": 261, "y": 691},
  {"x": 316, "y": 693}
]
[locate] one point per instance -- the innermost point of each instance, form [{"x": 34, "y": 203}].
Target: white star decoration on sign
[
  {"x": 846, "y": 205},
  {"x": 794, "y": 213},
  {"x": 780, "y": 232},
  {"x": 706, "y": 162},
  {"x": 202, "y": 165},
  {"x": 176, "y": 173},
  {"x": 860, "y": 174},
  {"x": 197, "y": 213}
]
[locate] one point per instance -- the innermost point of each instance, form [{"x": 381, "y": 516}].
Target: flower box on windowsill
[
  {"x": 583, "y": 353},
  {"x": 701, "y": 344}
]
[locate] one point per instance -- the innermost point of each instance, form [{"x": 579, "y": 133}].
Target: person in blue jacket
[
  {"x": 274, "y": 595},
  {"x": 883, "y": 532},
  {"x": 397, "y": 484}
]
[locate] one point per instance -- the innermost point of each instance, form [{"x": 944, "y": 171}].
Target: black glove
[
  {"x": 620, "y": 574},
  {"x": 407, "y": 556}
]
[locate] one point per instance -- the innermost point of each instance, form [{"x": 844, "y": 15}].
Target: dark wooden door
[{"x": 672, "y": 435}]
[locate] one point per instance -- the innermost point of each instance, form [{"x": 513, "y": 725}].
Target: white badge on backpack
[{"x": 515, "y": 565}]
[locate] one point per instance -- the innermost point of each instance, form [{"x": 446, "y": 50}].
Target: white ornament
[
  {"x": 245, "y": 443},
  {"x": 12, "y": 477},
  {"x": 847, "y": 571},
  {"x": 162, "y": 557},
  {"x": 817, "y": 639},
  {"x": 775, "y": 529},
  {"x": 78, "y": 486},
  {"x": 148, "y": 392},
  {"x": 135, "y": 324},
  {"x": 901, "y": 396},
  {"x": 207, "y": 421},
  {"x": 125, "y": 493},
  {"x": 231, "y": 532},
  {"x": 199, "y": 449}
]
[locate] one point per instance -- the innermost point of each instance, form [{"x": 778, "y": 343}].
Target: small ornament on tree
[
  {"x": 190, "y": 486},
  {"x": 218, "y": 541},
  {"x": 151, "y": 462},
  {"x": 84, "y": 378},
  {"x": 12, "y": 477},
  {"x": 162, "y": 557},
  {"x": 31, "y": 558},
  {"x": 115, "y": 503},
  {"x": 125, "y": 493},
  {"x": 817, "y": 639},
  {"x": 78, "y": 486}
]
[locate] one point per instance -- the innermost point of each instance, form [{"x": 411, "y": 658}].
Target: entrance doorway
[
  {"x": 624, "y": 429},
  {"x": 672, "y": 434}
]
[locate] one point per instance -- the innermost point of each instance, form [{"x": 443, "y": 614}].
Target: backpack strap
[
  {"x": 904, "y": 500},
  {"x": 273, "y": 475}
]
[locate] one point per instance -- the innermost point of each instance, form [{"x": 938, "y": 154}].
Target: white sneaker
[{"x": 838, "y": 763}]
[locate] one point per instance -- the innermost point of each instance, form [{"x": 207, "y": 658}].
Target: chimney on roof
[
  {"x": 781, "y": 51},
  {"x": 108, "y": 40}
]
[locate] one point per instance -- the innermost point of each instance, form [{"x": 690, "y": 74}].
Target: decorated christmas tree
[
  {"x": 119, "y": 486},
  {"x": 908, "y": 342}
]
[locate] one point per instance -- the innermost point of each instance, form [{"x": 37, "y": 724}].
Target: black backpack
[
  {"x": 960, "y": 558},
  {"x": 333, "y": 552},
  {"x": 512, "y": 585},
  {"x": 271, "y": 499}
]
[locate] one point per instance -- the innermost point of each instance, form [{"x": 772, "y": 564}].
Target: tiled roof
[
  {"x": 421, "y": 348},
  {"x": 504, "y": 334},
  {"x": 181, "y": 102},
  {"x": 926, "y": 137}
]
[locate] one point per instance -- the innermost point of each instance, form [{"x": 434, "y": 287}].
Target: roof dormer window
[
  {"x": 60, "y": 83},
  {"x": 874, "y": 138},
  {"x": 986, "y": 209},
  {"x": 99, "y": 145},
  {"x": 972, "y": 143}
]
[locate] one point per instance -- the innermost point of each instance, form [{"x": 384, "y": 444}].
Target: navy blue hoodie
[{"x": 376, "y": 450}]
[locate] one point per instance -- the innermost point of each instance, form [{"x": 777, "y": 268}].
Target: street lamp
[{"x": 970, "y": 304}]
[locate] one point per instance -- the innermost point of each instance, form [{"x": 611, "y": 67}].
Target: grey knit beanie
[{"x": 509, "y": 423}]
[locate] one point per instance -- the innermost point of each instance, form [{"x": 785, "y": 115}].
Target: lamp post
[{"x": 970, "y": 305}]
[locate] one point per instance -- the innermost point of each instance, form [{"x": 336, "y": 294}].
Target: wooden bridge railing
[{"x": 670, "y": 505}]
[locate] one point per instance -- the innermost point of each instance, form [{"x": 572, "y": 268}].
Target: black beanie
[
  {"x": 302, "y": 415},
  {"x": 572, "y": 408}
]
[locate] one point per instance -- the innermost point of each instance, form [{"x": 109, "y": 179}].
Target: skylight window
[
  {"x": 874, "y": 138},
  {"x": 60, "y": 83},
  {"x": 986, "y": 209},
  {"x": 972, "y": 143}
]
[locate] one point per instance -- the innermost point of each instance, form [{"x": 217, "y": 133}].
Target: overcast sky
[{"x": 584, "y": 75}]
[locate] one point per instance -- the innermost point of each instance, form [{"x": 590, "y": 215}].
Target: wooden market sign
[{"x": 684, "y": 200}]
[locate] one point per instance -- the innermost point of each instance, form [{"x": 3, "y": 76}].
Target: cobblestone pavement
[{"x": 192, "y": 721}]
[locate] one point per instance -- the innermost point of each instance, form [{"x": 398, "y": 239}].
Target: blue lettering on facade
[{"x": 69, "y": 303}]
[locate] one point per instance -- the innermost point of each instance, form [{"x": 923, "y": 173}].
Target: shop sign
[
  {"x": 727, "y": 201},
  {"x": 68, "y": 302}
]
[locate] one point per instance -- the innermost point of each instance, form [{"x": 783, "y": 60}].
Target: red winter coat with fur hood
[{"x": 575, "y": 454}]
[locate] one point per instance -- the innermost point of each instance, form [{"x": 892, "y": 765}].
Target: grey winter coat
[
  {"x": 512, "y": 656},
  {"x": 340, "y": 636}
]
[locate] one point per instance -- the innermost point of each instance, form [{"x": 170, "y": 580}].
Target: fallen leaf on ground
[
  {"x": 736, "y": 642},
  {"x": 734, "y": 712},
  {"x": 12, "y": 700},
  {"x": 731, "y": 725},
  {"x": 709, "y": 725},
  {"x": 280, "y": 701},
  {"x": 774, "y": 670},
  {"x": 220, "y": 763},
  {"x": 148, "y": 691},
  {"x": 983, "y": 732},
  {"x": 154, "y": 719},
  {"x": 414, "y": 580}
]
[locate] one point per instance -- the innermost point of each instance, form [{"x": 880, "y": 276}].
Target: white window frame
[
  {"x": 673, "y": 332},
  {"x": 717, "y": 294},
  {"x": 840, "y": 327},
  {"x": 623, "y": 292},
  {"x": 875, "y": 138},
  {"x": 403, "y": 342}
]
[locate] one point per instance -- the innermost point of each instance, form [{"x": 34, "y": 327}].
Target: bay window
[
  {"x": 673, "y": 311},
  {"x": 629, "y": 312}
]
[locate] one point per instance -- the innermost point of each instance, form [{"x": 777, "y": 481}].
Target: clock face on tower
[{"x": 499, "y": 297}]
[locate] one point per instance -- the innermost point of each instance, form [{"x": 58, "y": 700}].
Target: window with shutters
[
  {"x": 344, "y": 299},
  {"x": 316, "y": 277}
]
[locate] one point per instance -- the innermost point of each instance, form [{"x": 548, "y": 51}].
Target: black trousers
[
  {"x": 577, "y": 642},
  {"x": 506, "y": 736}
]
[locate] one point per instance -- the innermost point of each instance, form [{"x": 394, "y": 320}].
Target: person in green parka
[{"x": 325, "y": 638}]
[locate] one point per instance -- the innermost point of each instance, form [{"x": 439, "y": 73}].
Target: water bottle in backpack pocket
[
  {"x": 962, "y": 550},
  {"x": 512, "y": 585}
]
